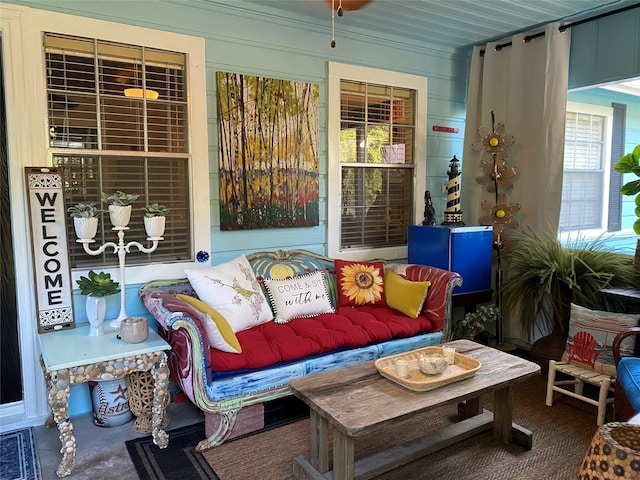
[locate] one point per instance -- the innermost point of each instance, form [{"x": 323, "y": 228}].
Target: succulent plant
[
  {"x": 119, "y": 198},
  {"x": 155, "y": 210},
  {"x": 98, "y": 284},
  {"x": 84, "y": 210}
]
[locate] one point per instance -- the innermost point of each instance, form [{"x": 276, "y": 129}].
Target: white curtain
[{"x": 525, "y": 86}]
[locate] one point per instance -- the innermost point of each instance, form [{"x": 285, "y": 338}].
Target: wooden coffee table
[{"x": 356, "y": 400}]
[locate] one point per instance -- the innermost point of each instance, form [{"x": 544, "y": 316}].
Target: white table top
[{"x": 74, "y": 347}]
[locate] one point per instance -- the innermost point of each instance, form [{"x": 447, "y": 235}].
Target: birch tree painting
[{"x": 268, "y": 152}]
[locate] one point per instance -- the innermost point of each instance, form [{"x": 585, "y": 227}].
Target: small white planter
[
  {"x": 86, "y": 228},
  {"x": 96, "y": 308},
  {"x": 119, "y": 216},
  {"x": 154, "y": 226}
]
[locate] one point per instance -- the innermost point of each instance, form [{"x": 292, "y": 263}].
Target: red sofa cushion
[{"x": 271, "y": 343}]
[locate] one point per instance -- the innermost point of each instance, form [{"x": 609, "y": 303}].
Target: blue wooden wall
[{"x": 263, "y": 43}]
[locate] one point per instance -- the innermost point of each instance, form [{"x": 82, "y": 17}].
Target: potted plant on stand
[
  {"x": 155, "y": 219},
  {"x": 119, "y": 207},
  {"x": 545, "y": 277},
  {"x": 85, "y": 219},
  {"x": 97, "y": 286}
]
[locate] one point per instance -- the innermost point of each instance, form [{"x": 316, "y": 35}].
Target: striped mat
[{"x": 18, "y": 456}]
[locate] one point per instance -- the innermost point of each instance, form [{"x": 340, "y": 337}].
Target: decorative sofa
[{"x": 225, "y": 385}]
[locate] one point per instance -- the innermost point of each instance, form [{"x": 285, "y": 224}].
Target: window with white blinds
[
  {"x": 118, "y": 121},
  {"x": 377, "y": 162},
  {"x": 586, "y": 168}
]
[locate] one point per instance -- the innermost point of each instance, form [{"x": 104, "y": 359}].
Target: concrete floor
[{"x": 100, "y": 452}]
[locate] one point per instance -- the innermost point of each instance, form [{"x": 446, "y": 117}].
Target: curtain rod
[{"x": 562, "y": 28}]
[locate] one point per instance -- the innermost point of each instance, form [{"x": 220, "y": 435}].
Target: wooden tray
[{"x": 463, "y": 367}]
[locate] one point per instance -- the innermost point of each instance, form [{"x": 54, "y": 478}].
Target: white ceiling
[{"x": 447, "y": 23}]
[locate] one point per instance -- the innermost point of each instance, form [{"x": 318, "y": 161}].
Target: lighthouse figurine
[{"x": 453, "y": 214}]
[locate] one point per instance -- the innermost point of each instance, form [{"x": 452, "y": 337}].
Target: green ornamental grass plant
[{"x": 543, "y": 273}]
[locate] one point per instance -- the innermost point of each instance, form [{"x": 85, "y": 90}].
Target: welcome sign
[{"x": 50, "y": 253}]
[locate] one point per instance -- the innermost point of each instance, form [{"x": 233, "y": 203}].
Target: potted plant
[
  {"x": 545, "y": 277},
  {"x": 154, "y": 219},
  {"x": 97, "y": 286},
  {"x": 474, "y": 322},
  {"x": 119, "y": 207},
  {"x": 630, "y": 163},
  {"x": 85, "y": 219}
]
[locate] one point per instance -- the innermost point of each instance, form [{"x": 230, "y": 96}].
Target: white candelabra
[{"x": 119, "y": 217}]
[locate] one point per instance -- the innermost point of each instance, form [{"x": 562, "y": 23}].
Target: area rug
[
  {"x": 18, "y": 456},
  {"x": 561, "y": 437},
  {"x": 179, "y": 461}
]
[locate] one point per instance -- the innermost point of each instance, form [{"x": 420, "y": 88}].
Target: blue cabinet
[{"x": 465, "y": 250}]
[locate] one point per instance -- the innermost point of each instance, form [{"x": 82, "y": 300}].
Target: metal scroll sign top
[{"x": 50, "y": 253}]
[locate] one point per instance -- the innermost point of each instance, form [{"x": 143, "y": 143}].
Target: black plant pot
[
  {"x": 548, "y": 348},
  {"x": 551, "y": 347}
]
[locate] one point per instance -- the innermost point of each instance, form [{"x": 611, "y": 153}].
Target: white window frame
[
  {"x": 196, "y": 118},
  {"x": 341, "y": 71},
  {"x": 607, "y": 112},
  {"x": 27, "y": 145}
]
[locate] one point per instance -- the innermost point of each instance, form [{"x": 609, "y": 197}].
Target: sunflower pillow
[{"x": 360, "y": 283}]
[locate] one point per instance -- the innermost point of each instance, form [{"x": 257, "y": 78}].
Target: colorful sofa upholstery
[{"x": 224, "y": 384}]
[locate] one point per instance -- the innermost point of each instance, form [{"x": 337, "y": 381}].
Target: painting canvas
[{"x": 268, "y": 152}]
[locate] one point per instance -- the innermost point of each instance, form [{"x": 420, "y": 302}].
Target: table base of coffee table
[
  {"x": 357, "y": 400},
  {"x": 343, "y": 452}
]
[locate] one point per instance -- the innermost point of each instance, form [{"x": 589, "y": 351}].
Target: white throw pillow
[
  {"x": 303, "y": 296},
  {"x": 232, "y": 289}
]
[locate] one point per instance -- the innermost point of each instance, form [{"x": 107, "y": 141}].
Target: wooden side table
[{"x": 70, "y": 357}]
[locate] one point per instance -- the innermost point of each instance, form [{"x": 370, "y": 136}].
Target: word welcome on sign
[{"x": 50, "y": 253}]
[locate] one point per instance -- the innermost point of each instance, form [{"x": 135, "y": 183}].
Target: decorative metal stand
[
  {"x": 122, "y": 248},
  {"x": 499, "y": 213}
]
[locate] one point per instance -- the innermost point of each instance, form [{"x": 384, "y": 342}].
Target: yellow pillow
[
  {"x": 219, "y": 332},
  {"x": 404, "y": 295}
]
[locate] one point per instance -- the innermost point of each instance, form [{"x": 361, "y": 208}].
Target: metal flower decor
[
  {"x": 499, "y": 213},
  {"x": 493, "y": 144}
]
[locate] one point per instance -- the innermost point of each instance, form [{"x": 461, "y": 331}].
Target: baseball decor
[{"x": 110, "y": 400}]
